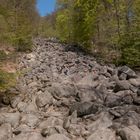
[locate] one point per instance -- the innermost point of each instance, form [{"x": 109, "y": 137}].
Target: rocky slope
[{"x": 64, "y": 94}]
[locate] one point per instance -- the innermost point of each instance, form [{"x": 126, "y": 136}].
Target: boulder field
[{"x": 64, "y": 94}]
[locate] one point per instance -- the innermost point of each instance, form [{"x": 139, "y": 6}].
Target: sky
[{"x": 45, "y": 6}]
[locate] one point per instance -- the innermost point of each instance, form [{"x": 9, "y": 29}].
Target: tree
[
  {"x": 20, "y": 18},
  {"x": 111, "y": 26},
  {"x": 75, "y": 21},
  {"x": 84, "y": 18}
]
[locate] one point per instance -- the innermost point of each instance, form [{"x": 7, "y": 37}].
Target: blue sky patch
[{"x": 45, "y": 6}]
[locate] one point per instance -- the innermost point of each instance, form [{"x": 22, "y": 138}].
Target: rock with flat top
[{"x": 103, "y": 134}]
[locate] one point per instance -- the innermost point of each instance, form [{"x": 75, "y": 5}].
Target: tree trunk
[{"x": 116, "y": 5}]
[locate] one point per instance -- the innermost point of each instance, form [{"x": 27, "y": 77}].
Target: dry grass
[{"x": 8, "y": 66}]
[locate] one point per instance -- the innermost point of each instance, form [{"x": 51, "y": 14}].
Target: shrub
[
  {"x": 23, "y": 44},
  {"x": 6, "y": 80}
]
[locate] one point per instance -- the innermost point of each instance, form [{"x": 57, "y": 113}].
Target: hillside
[
  {"x": 73, "y": 74},
  {"x": 63, "y": 93}
]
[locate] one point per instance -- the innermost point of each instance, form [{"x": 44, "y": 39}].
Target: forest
[{"x": 108, "y": 29}]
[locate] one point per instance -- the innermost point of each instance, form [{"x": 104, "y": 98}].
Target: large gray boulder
[
  {"x": 30, "y": 119},
  {"x": 89, "y": 80},
  {"x": 88, "y": 93},
  {"x": 84, "y": 108},
  {"x": 125, "y": 69},
  {"x": 122, "y": 85},
  {"x": 11, "y": 118},
  {"x": 130, "y": 133},
  {"x": 44, "y": 98},
  {"x": 119, "y": 98},
  {"x": 62, "y": 90},
  {"x": 102, "y": 121}
]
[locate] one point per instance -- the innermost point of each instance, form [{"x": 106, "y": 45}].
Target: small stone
[
  {"x": 44, "y": 132},
  {"x": 73, "y": 117},
  {"x": 133, "y": 89},
  {"x": 57, "y": 137},
  {"x": 123, "y": 76},
  {"x": 60, "y": 130},
  {"x": 66, "y": 123},
  {"x": 87, "y": 94},
  {"x": 31, "y": 107},
  {"x": 17, "y": 132},
  {"x": 15, "y": 101},
  {"x": 110, "y": 70},
  {"x": 22, "y": 106}
]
